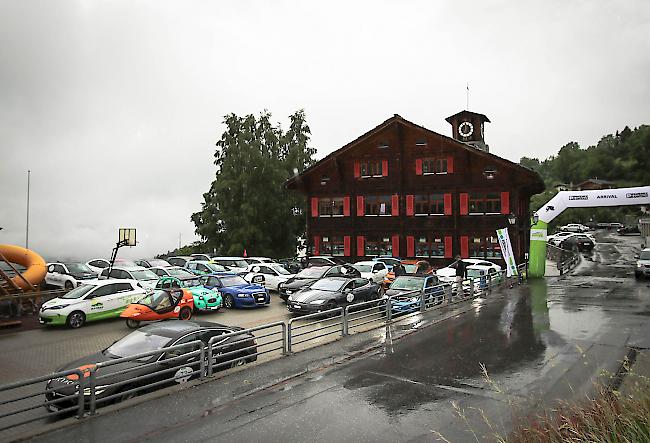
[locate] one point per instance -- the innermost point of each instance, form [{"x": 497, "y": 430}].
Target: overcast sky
[{"x": 115, "y": 106}]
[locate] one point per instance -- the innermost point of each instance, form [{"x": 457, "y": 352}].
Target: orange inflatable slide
[{"x": 34, "y": 264}]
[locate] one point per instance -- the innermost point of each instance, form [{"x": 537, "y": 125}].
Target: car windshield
[
  {"x": 407, "y": 283},
  {"x": 233, "y": 280},
  {"x": 410, "y": 269},
  {"x": 137, "y": 342},
  {"x": 79, "y": 291},
  {"x": 78, "y": 268},
  {"x": 144, "y": 274},
  {"x": 240, "y": 263},
  {"x": 158, "y": 262},
  {"x": 179, "y": 273},
  {"x": 216, "y": 267},
  {"x": 328, "y": 285},
  {"x": 311, "y": 273},
  {"x": 363, "y": 268},
  {"x": 122, "y": 262},
  {"x": 280, "y": 270},
  {"x": 645, "y": 255}
]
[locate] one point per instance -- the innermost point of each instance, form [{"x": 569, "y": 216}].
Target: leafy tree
[{"x": 247, "y": 206}]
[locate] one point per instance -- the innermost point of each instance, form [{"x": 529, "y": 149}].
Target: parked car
[
  {"x": 68, "y": 275},
  {"x": 234, "y": 264},
  {"x": 410, "y": 268},
  {"x": 273, "y": 274},
  {"x": 150, "y": 338},
  {"x": 579, "y": 241},
  {"x": 556, "y": 238},
  {"x": 448, "y": 274},
  {"x": 574, "y": 227},
  {"x": 94, "y": 300},
  {"x": 237, "y": 292},
  {"x": 372, "y": 270},
  {"x": 162, "y": 304},
  {"x": 407, "y": 292},
  {"x": 332, "y": 292},
  {"x": 179, "y": 260},
  {"x": 642, "y": 266},
  {"x": 628, "y": 230},
  {"x": 200, "y": 267},
  {"x": 172, "y": 271},
  {"x": 307, "y": 276},
  {"x": 615, "y": 225},
  {"x": 388, "y": 261},
  {"x": 204, "y": 299},
  {"x": 202, "y": 257},
  {"x": 258, "y": 260},
  {"x": 97, "y": 265},
  {"x": 293, "y": 265},
  {"x": 323, "y": 260},
  {"x": 151, "y": 262},
  {"x": 147, "y": 278}
]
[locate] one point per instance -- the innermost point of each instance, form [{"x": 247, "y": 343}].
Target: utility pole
[{"x": 27, "y": 226}]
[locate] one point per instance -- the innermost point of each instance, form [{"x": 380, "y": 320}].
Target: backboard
[{"x": 127, "y": 236}]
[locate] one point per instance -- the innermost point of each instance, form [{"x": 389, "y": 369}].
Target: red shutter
[
  {"x": 346, "y": 206},
  {"x": 410, "y": 205},
  {"x": 314, "y": 207},
  {"x": 347, "y": 245},
  {"x": 395, "y": 205},
  {"x": 384, "y": 168},
  {"x": 448, "y": 209},
  {"x": 395, "y": 241},
  {"x": 450, "y": 164},
  {"x": 505, "y": 202},
  {"x": 464, "y": 203},
  {"x": 464, "y": 247},
  {"x": 357, "y": 169},
  {"x": 361, "y": 241},
  {"x": 418, "y": 166},
  {"x": 360, "y": 207},
  {"x": 449, "y": 246},
  {"x": 317, "y": 245},
  {"x": 410, "y": 246}
]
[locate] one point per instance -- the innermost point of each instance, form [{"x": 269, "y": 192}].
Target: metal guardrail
[{"x": 122, "y": 378}]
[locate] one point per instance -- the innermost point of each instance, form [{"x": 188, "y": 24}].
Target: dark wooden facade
[{"x": 400, "y": 183}]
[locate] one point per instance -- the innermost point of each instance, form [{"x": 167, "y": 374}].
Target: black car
[
  {"x": 324, "y": 260},
  {"x": 292, "y": 265},
  {"x": 308, "y": 276},
  {"x": 332, "y": 292},
  {"x": 579, "y": 242},
  {"x": 118, "y": 378},
  {"x": 628, "y": 230}
]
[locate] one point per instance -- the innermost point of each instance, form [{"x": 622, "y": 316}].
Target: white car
[
  {"x": 68, "y": 275},
  {"x": 235, "y": 264},
  {"x": 94, "y": 300},
  {"x": 151, "y": 262},
  {"x": 273, "y": 274},
  {"x": 258, "y": 260},
  {"x": 147, "y": 278},
  {"x": 448, "y": 274},
  {"x": 556, "y": 239},
  {"x": 98, "y": 265},
  {"x": 372, "y": 270},
  {"x": 574, "y": 227},
  {"x": 172, "y": 271}
]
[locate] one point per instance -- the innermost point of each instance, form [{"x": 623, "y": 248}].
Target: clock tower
[{"x": 469, "y": 128}]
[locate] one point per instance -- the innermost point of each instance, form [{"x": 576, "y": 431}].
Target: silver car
[{"x": 642, "y": 267}]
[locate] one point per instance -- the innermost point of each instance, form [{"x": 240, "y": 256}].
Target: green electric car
[{"x": 205, "y": 299}]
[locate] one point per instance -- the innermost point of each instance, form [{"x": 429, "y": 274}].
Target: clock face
[{"x": 466, "y": 129}]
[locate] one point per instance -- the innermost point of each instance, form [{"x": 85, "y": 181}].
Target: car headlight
[
  {"x": 638, "y": 265},
  {"x": 242, "y": 295},
  {"x": 317, "y": 302},
  {"x": 201, "y": 298},
  {"x": 414, "y": 299},
  {"x": 98, "y": 390},
  {"x": 55, "y": 307}
]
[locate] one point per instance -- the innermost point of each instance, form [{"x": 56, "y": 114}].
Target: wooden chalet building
[{"x": 403, "y": 190}]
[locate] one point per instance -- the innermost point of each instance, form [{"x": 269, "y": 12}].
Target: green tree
[{"x": 247, "y": 206}]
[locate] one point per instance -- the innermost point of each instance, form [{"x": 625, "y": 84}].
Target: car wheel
[
  {"x": 329, "y": 306},
  {"x": 237, "y": 363},
  {"x": 132, "y": 324},
  {"x": 229, "y": 302},
  {"x": 68, "y": 285},
  {"x": 76, "y": 319},
  {"x": 185, "y": 314}
]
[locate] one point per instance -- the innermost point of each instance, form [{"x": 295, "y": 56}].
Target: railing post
[
  {"x": 80, "y": 393},
  {"x": 423, "y": 301},
  {"x": 289, "y": 350},
  {"x": 210, "y": 368},
  {"x": 284, "y": 339},
  {"x": 93, "y": 395},
  {"x": 471, "y": 287},
  {"x": 202, "y": 362},
  {"x": 389, "y": 310},
  {"x": 344, "y": 321}
]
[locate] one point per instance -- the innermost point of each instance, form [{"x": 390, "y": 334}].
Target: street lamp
[{"x": 512, "y": 219}]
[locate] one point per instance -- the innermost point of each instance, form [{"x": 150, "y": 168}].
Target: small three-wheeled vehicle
[{"x": 160, "y": 305}]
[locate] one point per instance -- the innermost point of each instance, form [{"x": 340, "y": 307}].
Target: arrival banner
[{"x": 506, "y": 251}]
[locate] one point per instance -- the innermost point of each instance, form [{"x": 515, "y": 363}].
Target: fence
[
  {"x": 566, "y": 259},
  {"x": 82, "y": 390}
]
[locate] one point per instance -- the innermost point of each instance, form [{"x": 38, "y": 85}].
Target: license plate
[{"x": 261, "y": 298}]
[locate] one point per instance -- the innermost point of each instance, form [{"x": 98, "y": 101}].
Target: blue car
[
  {"x": 235, "y": 291},
  {"x": 407, "y": 291}
]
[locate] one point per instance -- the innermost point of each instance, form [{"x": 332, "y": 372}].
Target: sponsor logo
[
  {"x": 96, "y": 306},
  {"x": 183, "y": 374},
  {"x": 578, "y": 197},
  {"x": 550, "y": 208},
  {"x": 63, "y": 380},
  {"x": 636, "y": 195},
  {"x": 607, "y": 196}
]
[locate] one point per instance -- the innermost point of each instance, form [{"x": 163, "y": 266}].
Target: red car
[{"x": 160, "y": 305}]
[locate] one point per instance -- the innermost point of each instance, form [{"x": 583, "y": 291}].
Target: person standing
[{"x": 461, "y": 274}]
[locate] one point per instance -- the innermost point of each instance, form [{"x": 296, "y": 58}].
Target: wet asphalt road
[{"x": 547, "y": 340}]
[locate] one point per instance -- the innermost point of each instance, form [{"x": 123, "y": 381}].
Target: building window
[
  {"x": 378, "y": 205},
  {"x": 484, "y": 247},
  {"x": 430, "y": 246},
  {"x": 330, "y": 207},
  {"x": 332, "y": 245},
  {"x": 482, "y": 203},
  {"x": 430, "y": 204},
  {"x": 434, "y": 166},
  {"x": 371, "y": 168},
  {"x": 375, "y": 246},
  {"x": 493, "y": 248}
]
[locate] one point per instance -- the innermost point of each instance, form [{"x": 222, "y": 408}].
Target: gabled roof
[
  {"x": 397, "y": 119},
  {"x": 597, "y": 181},
  {"x": 452, "y": 117}
]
